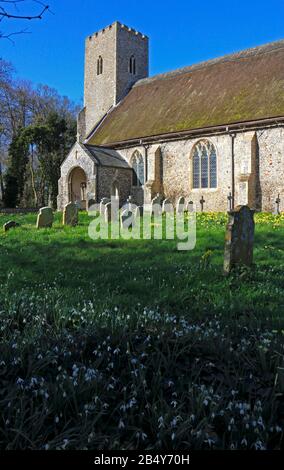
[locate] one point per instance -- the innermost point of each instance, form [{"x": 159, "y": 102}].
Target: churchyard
[{"x": 125, "y": 344}]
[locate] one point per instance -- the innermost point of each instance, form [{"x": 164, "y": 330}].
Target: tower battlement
[
  {"x": 116, "y": 57},
  {"x": 118, "y": 25}
]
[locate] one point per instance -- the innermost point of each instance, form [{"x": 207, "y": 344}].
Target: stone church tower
[{"x": 115, "y": 58}]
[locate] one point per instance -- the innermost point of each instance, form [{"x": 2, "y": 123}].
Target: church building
[{"x": 204, "y": 132}]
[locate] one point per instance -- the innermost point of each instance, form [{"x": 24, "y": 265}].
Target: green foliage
[
  {"x": 132, "y": 344},
  {"x": 18, "y": 152},
  {"x": 43, "y": 145},
  {"x": 11, "y": 190}
]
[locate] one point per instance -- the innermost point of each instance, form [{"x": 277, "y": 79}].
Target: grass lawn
[{"x": 133, "y": 344}]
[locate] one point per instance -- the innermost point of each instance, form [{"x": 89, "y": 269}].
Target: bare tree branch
[
  {"x": 9, "y": 36},
  {"x": 6, "y": 13}
]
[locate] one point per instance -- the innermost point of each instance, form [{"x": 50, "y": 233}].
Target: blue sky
[{"x": 181, "y": 32}]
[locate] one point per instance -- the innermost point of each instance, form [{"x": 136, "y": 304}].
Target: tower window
[
  {"x": 132, "y": 65},
  {"x": 100, "y": 66}
]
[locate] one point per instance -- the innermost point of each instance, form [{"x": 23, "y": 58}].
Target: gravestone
[
  {"x": 189, "y": 206},
  {"x": 10, "y": 224},
  {"x": 129, "y": 203},
  {"x": 91, "y": 200},
  {"x": 103, "y": 203},
  {"x": 70, "y": 214},
  {"x": 90, "y": 203},
  {"x": 78, "y": 204},
  {"x": 167, "y": 206},
  {"x": 107, "y": 212},
  {"x": 156, "y": 205},
  {"x": 138, "y": 211},
  {"x": 239, "y": 238},
  {"x": 180, "y": 207},
  {"x": 44, "y": 218},
  {"x": 127, "y": 218}
]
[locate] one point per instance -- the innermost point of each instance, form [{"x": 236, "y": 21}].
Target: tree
[
  {"x": 23, "y": 105},
  {"x": 5, "y": 74},
  {"x": 26, "y": 10},
  {"x": 36, "y": 154},
  {"x": 11, "y": 191}
]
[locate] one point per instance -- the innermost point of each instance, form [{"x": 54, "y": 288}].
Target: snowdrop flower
[
  {"x": 121, "y": 424},
  {"x": 161, "y": 422}
]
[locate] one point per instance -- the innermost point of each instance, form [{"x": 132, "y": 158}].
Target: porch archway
[{"x": 77, "y": 184}]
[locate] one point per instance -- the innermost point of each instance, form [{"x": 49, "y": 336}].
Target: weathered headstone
[
  {"x": 91, "y": 203},
  {"x": 45, "y": 218},
  {"x": 129, "y": 203},
  {"x": 156, "y": 208},
  {"x": 239, "y": 238},
  {"x": 167, "y": 206},
  {"x": 159, "y": 198},
  {"x": 70, "y": 214},
  {"x": 189, "y": 206},
  {"x": 91, "y": 200},
  {"x": 127, "y": 218},
  {"x": 138, "y": 211},
  {"x": 103, "y": 203},
  {"x": 108, "y": 212},
  {"x": 10, "y": 224},
  {"x": 180, "y": 207},
  {"x": 78, "y": 204}
]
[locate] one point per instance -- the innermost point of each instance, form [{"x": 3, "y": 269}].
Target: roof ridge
[{"x": 252, "y": 51}]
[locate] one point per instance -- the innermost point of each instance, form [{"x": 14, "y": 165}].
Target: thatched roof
[{"x": 241, "y": 87}]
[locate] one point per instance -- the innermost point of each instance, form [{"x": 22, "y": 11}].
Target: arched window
[
  {"x": 132, "y": 65},
  {"x": 204, "y": 165},
  {"x": 137, "y": 163},
  {"x": 100, "y": 65}
]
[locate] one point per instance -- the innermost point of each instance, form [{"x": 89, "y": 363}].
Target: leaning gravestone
[
  {"x": 11, "y": 224},
  {"x": 44, "y": 218},
  {"x": 239, "y": 238},
  {"x": 70, "y": 214}
]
